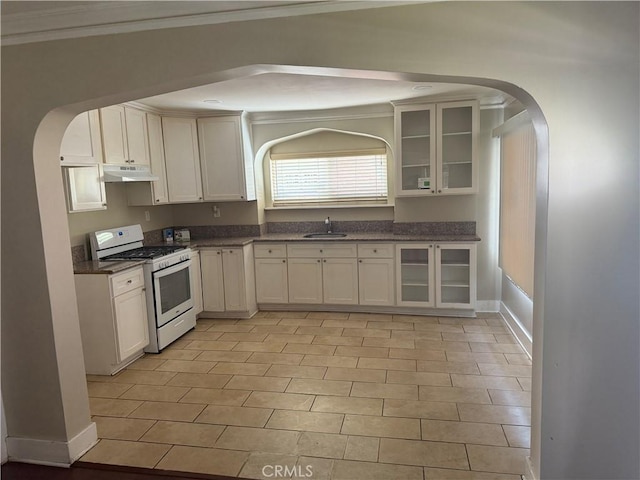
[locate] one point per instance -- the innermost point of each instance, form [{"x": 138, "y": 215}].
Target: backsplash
[
  {"x": 336, "y": 226},
  {"x": 216, "y": 231},
  {"x": 435, "y": 228}
]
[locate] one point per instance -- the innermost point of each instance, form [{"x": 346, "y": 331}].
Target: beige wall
[
  {"x": 558, "y": 58},
  {"x": 231, "y": 213}
]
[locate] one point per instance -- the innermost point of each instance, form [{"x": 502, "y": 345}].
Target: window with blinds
[{"x": 349, "y": 177}]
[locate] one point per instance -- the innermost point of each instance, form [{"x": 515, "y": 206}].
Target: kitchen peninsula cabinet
[
  {"x": 113, "y": 319},
  {"x": 437, "y": 148},
  {"x": 182, "y": 159}
]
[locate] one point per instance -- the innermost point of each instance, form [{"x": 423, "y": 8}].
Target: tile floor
[{"x": 324, "y": 396}]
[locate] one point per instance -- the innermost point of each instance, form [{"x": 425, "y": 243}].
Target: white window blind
[
  {"x": 518, "y": 204},
  {"x": 335, "y": 177}
]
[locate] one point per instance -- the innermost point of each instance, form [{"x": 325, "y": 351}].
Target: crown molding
[{"x": 104, "y": 18}]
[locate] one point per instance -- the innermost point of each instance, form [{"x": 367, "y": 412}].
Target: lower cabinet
[
  {"x": 272, "y": 285},
  {"x": 376, "y": 269},
  {"x": 196, "y": 282},
  {"x": 305, "y": 280},
  {"x": 228, "y": 280},
  {"x": 113, "y": 319}
]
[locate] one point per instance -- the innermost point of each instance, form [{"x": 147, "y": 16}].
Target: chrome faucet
[{"x": 327, "y": 223}]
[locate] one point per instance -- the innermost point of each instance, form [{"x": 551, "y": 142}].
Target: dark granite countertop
[{"x": 104, "y": 268}]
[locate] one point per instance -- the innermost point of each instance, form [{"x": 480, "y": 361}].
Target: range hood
[{"x": 122, "y": 173}]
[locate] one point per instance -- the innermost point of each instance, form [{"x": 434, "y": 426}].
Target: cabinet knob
[
  {"x": 218, "y": 253},
  {"x": 132, "y": 161},
  {"x": 318, "y": 261},
  {"x": 157, "y": 200},
  {"x": 437, "y": 246},
  {"x": 375, "y": 251},
  {"x": 284, "y": 261},
  {"x": 269, "y": 251},
  {"x": 199, "y": 198},
  {"x": 359, "y": 261},
  {"x": 62, "y": 159},
  {"x": 320, "y": 250},
  {"x": 439, "y": 191},
  {"x": 129, "y": 281},
  {"x": 325, "y": 261}
]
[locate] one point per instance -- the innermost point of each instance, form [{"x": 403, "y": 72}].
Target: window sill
[{"x": 332, "y": 206}]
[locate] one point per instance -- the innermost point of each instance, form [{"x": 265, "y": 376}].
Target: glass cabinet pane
[
  {"x": 457, "y": 147},
  {"x": 455, "y": 276},
  {"x": 417, "y": 146},
  {"x": 415, "y": 275}
]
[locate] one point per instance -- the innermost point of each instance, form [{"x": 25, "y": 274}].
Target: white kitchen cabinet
[
  {"x": 196, "y": 282},
  {"x": 227, "y": 170},
  {"x": 305, "y": 280},
  {"x": 340, "y": 281},
  {"x": 437, "y": 148},
  {"x": 84, "y": 188},
  {"x": 113, "y": 319},
  {"x": 415, "y": 274},
  {"x": 376, "y": 274},
  {"x": 81, "y": 143},
  {"x": 228, "y": 280},
  {"x": 152, "y": 193},
  {"x": 124, "y": 135},
  {"x": 182, "y": 159},
  {"x": 272, "y": 284}
]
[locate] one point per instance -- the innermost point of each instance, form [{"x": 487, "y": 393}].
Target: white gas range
[{"x": 166, "y": 276}]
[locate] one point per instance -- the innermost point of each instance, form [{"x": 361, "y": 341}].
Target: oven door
[{"x": 172, "y": 292}]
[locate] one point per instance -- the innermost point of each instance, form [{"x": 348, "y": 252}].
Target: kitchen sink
[{"x": 325, "y": 235}]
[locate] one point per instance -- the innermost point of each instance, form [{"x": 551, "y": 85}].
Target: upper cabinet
[
  {"x": 81, "y": 143},
  {"x": 124, "y": 135},
  {"x": 436, "y": 148},
  {"x": 182, "y": 159},
  {"x": 227, "y": 169}
]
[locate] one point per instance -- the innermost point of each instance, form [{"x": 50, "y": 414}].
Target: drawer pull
[
  {"x": 375, "y": 251},
  {"x": 129, "y": 281}
]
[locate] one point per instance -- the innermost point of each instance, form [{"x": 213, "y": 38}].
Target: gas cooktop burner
[{"x": 145, "y": 252}]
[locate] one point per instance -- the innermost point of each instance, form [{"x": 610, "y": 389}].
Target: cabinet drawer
[
  {"x": 375, "y": 250},
  {"x": 322, "y": 250},
  {"x": 127, "y": 281},
  {"x": 270, "y": 250}
]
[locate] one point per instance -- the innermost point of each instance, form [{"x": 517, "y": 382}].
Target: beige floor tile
[
  {"x": 518, "y": 359},
  {"x": 306, "y": 421},
  {"x": 438, "y": 327},
  {"x": 404, "y": 343},
  {"x": 259, "y": 440},
  {"x": 373, "y": 352},
  {"x": 505, "y": 415},
  {"x": 203, "y": 460},
  {"x": 444, "y": 346},
  {"x": 468, "y": 337},
  {"x": 518, "y": 436},
  {"x": 505, "y": 338},
  {"x": 215, "y": 396},
  {"x": 282, "y": 401},
  {"x": 429, "y": 454},
  {"x": 497, "y": 459},
  {"x": 510, "y": 397},
  {"x": 176, "y": 354},
  {"x": 328, "y": 315},
  {"x": 107, "y": 390},
  {"x": 262, "y": 321},
  {"x": 144, "y": 377},
  {"x": 223, "y": 356},
  {"x": 179, "y": 344},
  {"x": 232, "y": 368},
  {"x": 238, "y": 416},
  {"x": 454, "y": 394},
  {"x": 333, "y": 340},
  {"x": 270, "y": 329},
  {"x": 276, "y": 358},
  {"x": 417, "y": 354},
  {"x": 182, "y": 433},
  {"x": 482, "y": 381},
  {"x": 366, "y": 333},
  {"x": 331, "y": 331},
  {"x": 307, "y": 349},
  {"x": 262, "y": 466},
  {"x": 329, "y": 361},
  {"x": 486, "y": 329},
  {"x": 415, "y": 319},
  {"x": 264, "y": 384},
  {"x": 296, "y": 371},
  {"x": 356, "y": 374},
  {"x": 160, "y": 393},
  {"x": 372, "y": 317},
  {"x": 448, "y": 367},
  {"x": 374, "y": 426},
  {"x": 122, "y": 428},
  {"x": 417, "y": 335},
  {"x": 313, "y": 467},
  {"x": 364, "y": 449},
  {"x": 188, "y": 366},
  {"x": 273, "y": 347},
  {"x": 463, "y": 432},
  {"x": 495, "y": 347},
  {"x": 289, "y": 338},
  {"x": 384, "y": 390},
  {"x": 231, "y": 328},
  {"x": 505, "y": 370},
  {"x": 350, "y": 470},
  {"x": 419, "y": 378},
  {"x": 461, "y": 321},
  {"x": 202, "y": 380},
  {"x": 319, "y": 387},
  {"x": 242, "y": 337},
  {"x": 477, "y": 357},
  {"x": 420, "y": 409},
  {"x": 112, "y": 407},
  {"x": 525, "y": 383},
  {"x": 301, "y": 322},
  {"x": 344, "y": 323},
  {"x": 209, "y": 345},
  {"x": 390, "y": 325},
  {"x": 179, "y": 412},
  {"x": 448, "y": 474},
  {"x": 325, "y": 445},
  {"x": 387, "y": 364},
  {"x": 146, "y": 363},
  {"x": 354, "y": 405},
  {"x": 276, "y": 314},
  {"x": 120, "y": 452},
  {"x": 202, "y": 335}
]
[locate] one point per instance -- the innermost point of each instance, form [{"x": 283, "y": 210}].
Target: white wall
[{"x": 579, "y": 61}]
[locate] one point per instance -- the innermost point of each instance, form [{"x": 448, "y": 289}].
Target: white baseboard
[
  {"x": 53, "y": 453},
  {"x": 488, "y": 306},
  {"x": 528, "y": 473},
  {"x": 521, "y": 334}
]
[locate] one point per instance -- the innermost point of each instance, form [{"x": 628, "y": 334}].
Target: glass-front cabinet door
[
  {"x": 415, "y": 275},
  {"x": 416, "y": 144},
  {"x": 456, "y": 273}
]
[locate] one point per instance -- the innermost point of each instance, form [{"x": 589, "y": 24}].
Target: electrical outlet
[
  {"x": 216, "y": 212},
  {"x": 147, "y": 216}
]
